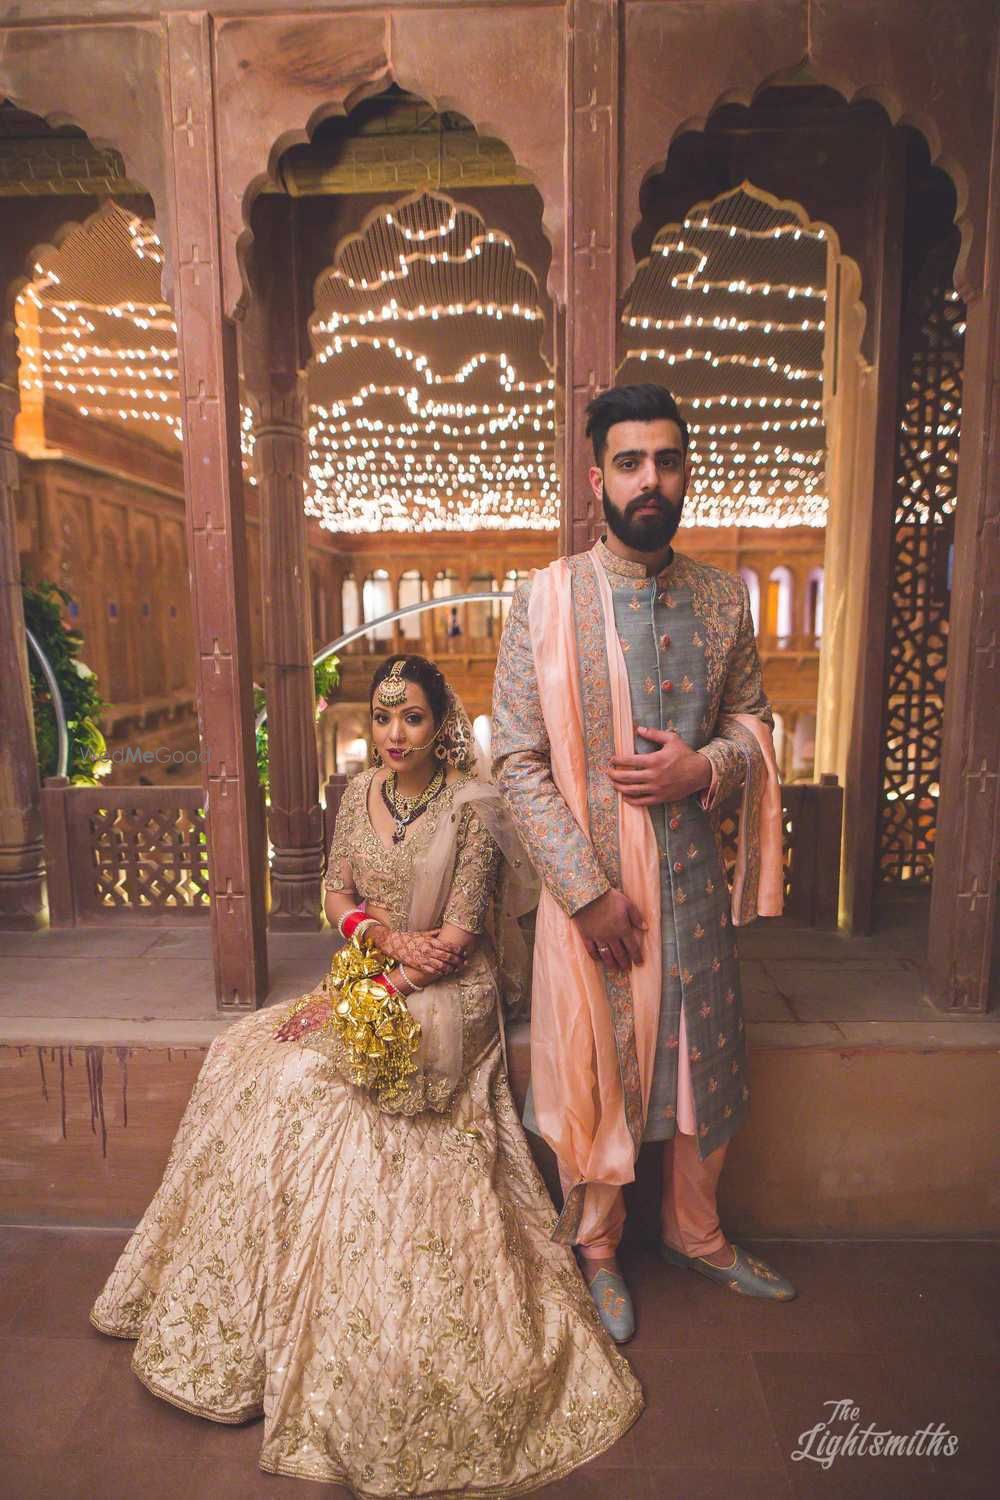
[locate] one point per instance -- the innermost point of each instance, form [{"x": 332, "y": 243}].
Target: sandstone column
[
  {"x": 963, "y": 953},
  {"x": 274, "y": 349},
  {"x": 216, "y": 531},
  {"x": 589, "y": 329}
]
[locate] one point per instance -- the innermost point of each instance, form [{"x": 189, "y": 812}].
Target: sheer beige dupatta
[{"x": 438, "y": 1007}]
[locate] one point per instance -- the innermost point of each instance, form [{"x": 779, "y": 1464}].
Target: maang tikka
[{"x": 392, "y": 688}]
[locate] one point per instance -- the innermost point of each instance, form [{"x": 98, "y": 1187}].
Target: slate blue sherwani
[{"x": 688, "y": 643}]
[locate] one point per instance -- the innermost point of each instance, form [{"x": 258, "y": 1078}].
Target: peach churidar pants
[{"x": 689, "y": 1217}]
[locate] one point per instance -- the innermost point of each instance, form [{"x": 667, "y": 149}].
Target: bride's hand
[{"x": 424, "y": 950}]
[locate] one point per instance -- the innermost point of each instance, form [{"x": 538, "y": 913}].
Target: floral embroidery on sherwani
[
  {"x": 382, "y": 1287},
  {"x": 557, "y": 846}
]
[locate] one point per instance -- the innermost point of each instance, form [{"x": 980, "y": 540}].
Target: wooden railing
[
  {"x": 140, "y": 853},
  {"x": 124, "y": 853}
]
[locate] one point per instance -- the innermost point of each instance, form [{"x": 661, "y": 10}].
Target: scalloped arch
[
  {"x": 36, "y": 253},
  {"x": 381, "y": 209},
  {"x": 782, "y": 205},
  {"x": 484, "y": 127},
  {"x": 126, "y": 114},
  {"x": 851, "y": 93},
  {"x": 326, "y": 65}
]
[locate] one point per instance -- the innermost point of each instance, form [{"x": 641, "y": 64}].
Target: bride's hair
[{"x": 425, "y": 674}]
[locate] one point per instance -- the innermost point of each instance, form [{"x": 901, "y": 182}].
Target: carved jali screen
[{"x": 923, "y": 536}]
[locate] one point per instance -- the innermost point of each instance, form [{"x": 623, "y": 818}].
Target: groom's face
[{"x": 641, "y": 482}]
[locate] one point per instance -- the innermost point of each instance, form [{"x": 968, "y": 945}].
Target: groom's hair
[{"x": 630, "y": 403}]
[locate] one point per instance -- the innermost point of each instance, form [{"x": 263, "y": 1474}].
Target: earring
[
  {"x": 441, "y": 751},
  {"x": 377, "y": 758}
]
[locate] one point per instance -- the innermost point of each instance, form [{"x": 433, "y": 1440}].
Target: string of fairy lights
[
  {"x": 748, "y": 373},
  {"x": 431, "y": 407}
]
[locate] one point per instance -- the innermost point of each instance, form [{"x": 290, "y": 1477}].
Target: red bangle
[
  {"x": 384, "y": 979},
  {"x": 351, "y": 921}
]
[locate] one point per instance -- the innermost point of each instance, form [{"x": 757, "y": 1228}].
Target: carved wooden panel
[
  {"x": 923, "y": 536},
  {"x": 129, "y": 852}
]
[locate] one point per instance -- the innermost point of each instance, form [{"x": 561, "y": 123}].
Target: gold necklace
[{"x": 406, "y": 810}]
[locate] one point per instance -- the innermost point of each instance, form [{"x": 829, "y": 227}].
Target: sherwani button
[
  {"x": 664, "y": 640},
  {"x": 679, "y": 866},
  {"x": 675, "y": 822},
  {"x": 667, "y": 686}
]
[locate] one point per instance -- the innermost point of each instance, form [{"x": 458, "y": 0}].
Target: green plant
[
  {"x": 326, "y": 678},
  {"x": 82, "y": 701}
]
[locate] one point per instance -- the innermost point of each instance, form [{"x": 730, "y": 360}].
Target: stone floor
[
  {"x": 907, "y": 1332},
  {"x": 800, "y": 987}
]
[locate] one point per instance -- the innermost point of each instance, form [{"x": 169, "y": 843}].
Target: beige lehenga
[{"x": 380, "y": 1285}]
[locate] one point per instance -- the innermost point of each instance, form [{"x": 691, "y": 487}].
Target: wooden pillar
[
  {"x": 964, "y": 954},
  {"x": 589, "y": 329},
  {"x": 216, "y": 531},
  {"x": 295, "y": 819},
  {"x": 274, "y": 349},
  {"x": 21, "y": 841},
  {"x": 873, "y": 519}
]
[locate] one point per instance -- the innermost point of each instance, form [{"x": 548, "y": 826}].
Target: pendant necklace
[{"x": 406, "y": 810}]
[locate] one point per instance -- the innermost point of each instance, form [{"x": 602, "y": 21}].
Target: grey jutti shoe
[
  {"x": 748, "y": 1275},
  {"x": 614, "y": 1305}
]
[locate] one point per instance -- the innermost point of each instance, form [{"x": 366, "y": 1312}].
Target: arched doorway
[{"x": 805, "y": 145}]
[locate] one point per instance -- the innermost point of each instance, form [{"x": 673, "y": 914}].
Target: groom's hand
[
  {"x": 611, "y": 928},
  {"x": 668, "y": 774}
]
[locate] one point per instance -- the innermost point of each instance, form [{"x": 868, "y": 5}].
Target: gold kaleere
[{"x": 373, "y": 1023}]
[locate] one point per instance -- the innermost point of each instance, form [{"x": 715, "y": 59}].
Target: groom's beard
[{"x": 644, "y": 533}]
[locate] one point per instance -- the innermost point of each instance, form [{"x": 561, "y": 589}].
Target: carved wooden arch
[
  {"x": 51, "y": 72},
  {"x": 842, "y": 48},
  {"x": 851, "y": 287},
  {"x": 458, "y": 205},
  {"x": 270, "y": 70}
]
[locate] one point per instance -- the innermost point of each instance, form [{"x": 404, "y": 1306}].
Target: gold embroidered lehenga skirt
[{"x": 381, "y": 1287}]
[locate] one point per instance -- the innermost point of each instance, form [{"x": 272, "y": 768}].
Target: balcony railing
[
  {"x": 125, "y": 853},
  {"x": 141, "y": 853}
]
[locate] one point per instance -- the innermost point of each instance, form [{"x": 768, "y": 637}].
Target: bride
[{"x": 351, "y": 1237}]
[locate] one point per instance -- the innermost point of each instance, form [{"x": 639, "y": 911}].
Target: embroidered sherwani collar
[{"x": 622, "y": 568}]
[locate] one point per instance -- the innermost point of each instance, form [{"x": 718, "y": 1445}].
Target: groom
[{"x": 628, "y": 706}]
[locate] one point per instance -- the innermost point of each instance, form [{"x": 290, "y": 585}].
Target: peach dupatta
[
  {"x": 759, "y": 877},
  {"x": 592, "y": 1040}
]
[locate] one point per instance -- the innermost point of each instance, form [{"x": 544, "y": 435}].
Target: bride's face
[{"x": 404, "y": 735}]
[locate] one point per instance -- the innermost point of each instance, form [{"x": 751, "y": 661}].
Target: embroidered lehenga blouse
[{"x": 380, "y": 1286}]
